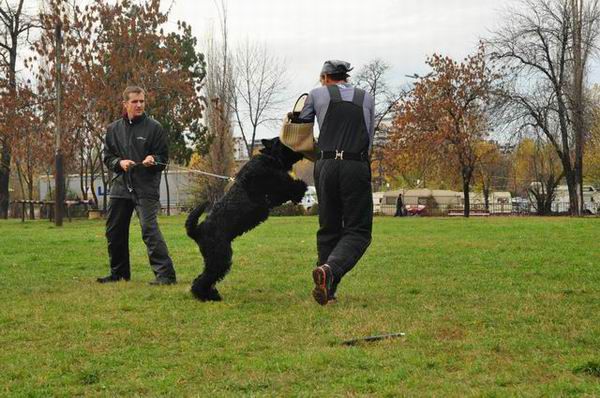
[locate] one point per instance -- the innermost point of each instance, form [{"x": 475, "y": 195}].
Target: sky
[{"x": 304, "y": 34}]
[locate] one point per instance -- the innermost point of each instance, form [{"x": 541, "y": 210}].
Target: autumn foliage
[
  {"x": 107, "y": 47},
  {"x": 443, "y": 118}
]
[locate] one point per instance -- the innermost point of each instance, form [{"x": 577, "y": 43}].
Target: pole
[{"x": 59, "y": 180}]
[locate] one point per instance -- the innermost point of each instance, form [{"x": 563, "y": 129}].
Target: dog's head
[{"x": 276, "y": 149}]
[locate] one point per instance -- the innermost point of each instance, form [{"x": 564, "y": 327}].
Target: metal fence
[{"x": 493, "y": 209}]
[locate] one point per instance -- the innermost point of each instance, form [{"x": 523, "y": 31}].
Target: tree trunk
[
  {"x": 29, "y": 180},
  {"x": 550, "y": 187},
  {"x": 30, "y": 191},
  {"x": 49, "y": 195},
  {"x": 539, "y": 204},
  {"x": 573, "y": 193},
  {"x": 93, "y": 181},
  {"x": 380, "y": 177},
  {"x": 466, "y": 183},
  {"x": 20, "y": 176},
  {"x": 6, "y": 152},
  {"x": 578, "y": 99},
  {"x": 82, "y": 172},
  {"x": 5, "y": 160},
  {"x": 168, "y": 191},
  {"x": 544, "y": 195},
  {"x": 486, "y": 197},
  {"x": 105, "y": 183}
]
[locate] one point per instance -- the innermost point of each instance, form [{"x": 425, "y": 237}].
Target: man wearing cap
[{"x": 345, "y": 115}]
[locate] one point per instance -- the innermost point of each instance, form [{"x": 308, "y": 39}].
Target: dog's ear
[
  {"x": 267, "y": 143},
  {"x": 267, "y": 146}
]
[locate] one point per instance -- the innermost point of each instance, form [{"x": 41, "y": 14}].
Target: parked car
[
  {"x": 520, "y": 205},
  {"x": 415, "y": 210},
  {"x": 377, "y": 201}
]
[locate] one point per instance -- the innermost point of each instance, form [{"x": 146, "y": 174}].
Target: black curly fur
[{"x": 263, "y": 183}]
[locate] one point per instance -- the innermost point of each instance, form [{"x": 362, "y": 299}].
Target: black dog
[{"x": 260, "y": 185}]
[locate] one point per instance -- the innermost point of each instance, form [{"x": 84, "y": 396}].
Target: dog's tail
[{"x": 191, "y": 224}]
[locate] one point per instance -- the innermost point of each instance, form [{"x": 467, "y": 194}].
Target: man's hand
[
  {"x": 126, "y": 164},
  {"x": 149, "y": 161}
]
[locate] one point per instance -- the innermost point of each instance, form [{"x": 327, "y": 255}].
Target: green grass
[{"x": 490, "y": 307}]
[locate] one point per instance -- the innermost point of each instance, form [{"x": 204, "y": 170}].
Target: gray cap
[{"x": 335, "y": 66}]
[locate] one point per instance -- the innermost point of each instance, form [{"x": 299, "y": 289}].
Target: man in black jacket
[{"x": 136, "y": 150}]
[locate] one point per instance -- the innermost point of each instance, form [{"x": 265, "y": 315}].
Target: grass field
[{"x": 490, "y": 307}]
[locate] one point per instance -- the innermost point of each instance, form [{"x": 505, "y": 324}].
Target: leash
[{"x": 206, "y": 173}]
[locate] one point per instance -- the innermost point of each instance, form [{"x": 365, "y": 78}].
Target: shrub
[
  {"x": 314, "y": 210},
  {"x": 288, "y": 209}
]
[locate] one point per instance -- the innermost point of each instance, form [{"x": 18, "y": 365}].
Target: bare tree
[
  {"x": 15, "y": 26},
  {"x": 545, "y": 47},
  {"x": 546, "y": 172},
  {"x": 371, "y": 77},
  {"x": 218, "y": 89},
  {"x": 258, "y": 88}
]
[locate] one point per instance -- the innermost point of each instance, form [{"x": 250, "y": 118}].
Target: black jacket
[{"x": 134, "y": 140}]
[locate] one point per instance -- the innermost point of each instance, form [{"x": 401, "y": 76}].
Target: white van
[
  {"x": 310, "y": 198},
  {"x": 377, "y": 199}
]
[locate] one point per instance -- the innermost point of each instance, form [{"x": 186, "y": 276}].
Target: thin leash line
[
  {"x": 197, "y": 171},
  {"x": 206, "y": 173}
]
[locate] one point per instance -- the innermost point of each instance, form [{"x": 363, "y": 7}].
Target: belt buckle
[{"x": 339, "y": 155}]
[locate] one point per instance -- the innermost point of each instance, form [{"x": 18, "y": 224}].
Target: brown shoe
[{"x": 323, "y": 278}]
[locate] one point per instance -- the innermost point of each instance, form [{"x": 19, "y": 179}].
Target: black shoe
[
  {"x": 162, "y": 282},
  {"x": 323, "y": 278},
  {"x": 111, "y": 278}
]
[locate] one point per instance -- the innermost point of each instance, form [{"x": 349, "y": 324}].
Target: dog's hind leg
[{"x": 217, "y": 262}]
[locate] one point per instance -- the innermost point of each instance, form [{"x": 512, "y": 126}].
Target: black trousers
[
  {"x": 345, "y": 212},
  {"x": 117, "y": 234}
]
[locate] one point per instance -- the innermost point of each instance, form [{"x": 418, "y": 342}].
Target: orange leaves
[
  {"x": 439, "y": 123},
  {"x": 106, "y": 47},
  {"x": 446, "y": 108}
]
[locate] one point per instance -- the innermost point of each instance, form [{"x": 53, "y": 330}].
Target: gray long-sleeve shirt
[{"x": 318, "y": 101}]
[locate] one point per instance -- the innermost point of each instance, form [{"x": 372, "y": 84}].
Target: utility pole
[
  {"x": 59, "y": 180},
  {"x": 578, "y": 99}
]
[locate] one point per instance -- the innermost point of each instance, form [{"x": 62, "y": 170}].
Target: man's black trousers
[
  {"x": 117, "y": 233},
  {"x": 345, "y": 212}
]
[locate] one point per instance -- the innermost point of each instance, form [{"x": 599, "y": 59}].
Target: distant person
[
  {"x": 400, "y": 209},
  {"x": 342, "y": 175},
  {"x": 136, "y": 149}
]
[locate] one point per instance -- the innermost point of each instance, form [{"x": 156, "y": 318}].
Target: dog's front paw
[
  {"x": 207, "y": 295},
  {"x": 204, "y": 291},
  {"x": 298, "y": 190}
]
